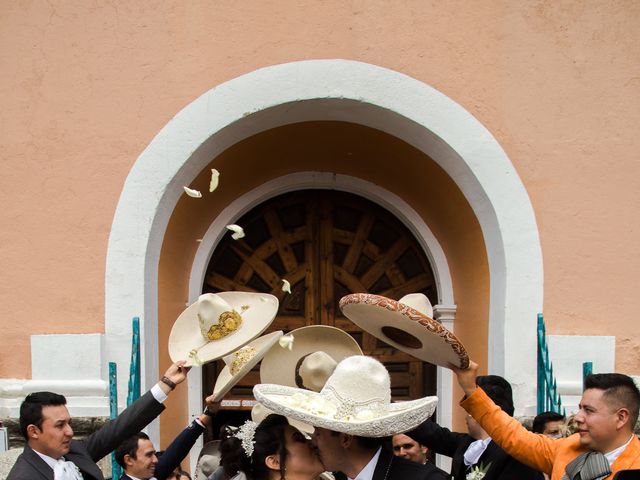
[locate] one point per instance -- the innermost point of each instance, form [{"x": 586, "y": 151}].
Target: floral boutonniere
[{"x": 478, "y": 472}]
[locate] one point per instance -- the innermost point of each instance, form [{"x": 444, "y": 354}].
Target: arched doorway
[{"x": 327, "y": 244}]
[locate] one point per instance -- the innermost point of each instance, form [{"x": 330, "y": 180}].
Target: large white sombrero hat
[
  {"x": 259, "y": 412},
  {"x": 356, "y": 400},
  {"x": 404, "y": 325},
  {"x": 316, "y": 351},
  {"x": 218, "y": 324},
  {"x": 240, "y": 362}
]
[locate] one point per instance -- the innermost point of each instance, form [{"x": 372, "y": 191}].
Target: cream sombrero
[
  {"x": 404, "y": 325},
  {"x": 240, "y": 362},
  {"x": 356, "y": 400},
  {"x": 284, "y": 367},
  {"x": 259, "y": 412},
  {"x": 219, "y": 323}
]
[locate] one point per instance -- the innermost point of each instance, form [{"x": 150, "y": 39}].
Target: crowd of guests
[
  {"x": 339, "y": 422},
  {"x": 495, "y": 445}
]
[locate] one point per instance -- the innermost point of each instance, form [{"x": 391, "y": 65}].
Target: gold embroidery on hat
[
  {"x": 241, "y": 357},
  {"x": 228, "y": 322}
]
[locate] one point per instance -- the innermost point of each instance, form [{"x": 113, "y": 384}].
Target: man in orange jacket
[{"x": 603, "y": 445}]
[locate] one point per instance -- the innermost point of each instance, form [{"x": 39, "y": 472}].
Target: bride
[{"x": 270, "y": 450}]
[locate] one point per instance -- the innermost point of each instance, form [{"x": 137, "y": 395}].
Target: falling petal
[
  {"x": 237, "y": 230},
  {"x": 286, "y": 286},
  {"x": 286, "y": 341},
  {"x": 199, "y": 240},
  {"x": 192, "y": 193},
  {"x": 214, "y": 179}
]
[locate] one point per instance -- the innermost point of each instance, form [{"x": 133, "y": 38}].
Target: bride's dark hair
[{"x": 269, "y": 439}]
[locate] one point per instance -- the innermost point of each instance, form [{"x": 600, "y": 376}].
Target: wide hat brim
[
  {"x": 226, "y": 380},
  {"x": 257, "y": 309},
  {"x": 279, "y": 365},
  {"x": 399, "y": 418},
  {"x": 405, "y": 328}
]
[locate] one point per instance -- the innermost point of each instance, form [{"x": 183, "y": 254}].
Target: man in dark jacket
[
  {"x": 137, "y": 456},
  {"x": 475, "y": 450},
  {"x": 52, "y": 453}
]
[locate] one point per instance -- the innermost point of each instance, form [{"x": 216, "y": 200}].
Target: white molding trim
[{"x": 329, "y": 90}]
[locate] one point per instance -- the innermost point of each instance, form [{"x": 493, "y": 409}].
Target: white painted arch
[{"x": 340, "y": 90}]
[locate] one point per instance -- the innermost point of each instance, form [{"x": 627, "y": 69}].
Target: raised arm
[
  {"x": 135, "y": 417},
  {"x": 532, "y": 449}
]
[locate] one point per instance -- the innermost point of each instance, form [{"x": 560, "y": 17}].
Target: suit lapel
[
  {"x": 383, "y": 466},
  {"x": 37, "y": 463},
  {"x": 630, "y": 458}
]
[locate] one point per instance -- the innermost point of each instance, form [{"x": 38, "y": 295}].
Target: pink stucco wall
[{"x": 86, "y": 85}]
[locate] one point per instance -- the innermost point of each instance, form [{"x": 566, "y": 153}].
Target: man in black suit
[
  {"x": 368, "y": 459},
  {"x": 51, "y": 453},
  {"x": 476, "y": 450},
  {"x": 137, "y": 456}
]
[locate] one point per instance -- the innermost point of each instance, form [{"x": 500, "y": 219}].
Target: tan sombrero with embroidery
[
  {"x": 356, "y": 400},
  {"x": 240, "y": 362},
  {"x": 404, "y": 325},
  {"x": 218, "y": 324},
  {"x": 316, "y": 351}
]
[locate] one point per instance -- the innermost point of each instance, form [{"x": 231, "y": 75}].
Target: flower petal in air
[
  {"x": 286, "y": 341},
  {"x": 237, "y": 230},
  {"x": 286, "y": 286},
  {"x": 213, "y": 184},
  {"x": 192, "y": 193}
]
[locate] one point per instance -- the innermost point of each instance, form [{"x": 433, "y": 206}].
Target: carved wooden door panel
[{"x": 327, "y": 244}]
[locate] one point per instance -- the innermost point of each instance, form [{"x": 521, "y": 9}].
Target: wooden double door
[{"x": 327, "y": 244}]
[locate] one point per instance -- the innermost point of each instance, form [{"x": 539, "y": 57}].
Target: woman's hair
[{"x": 269, "y": 439}]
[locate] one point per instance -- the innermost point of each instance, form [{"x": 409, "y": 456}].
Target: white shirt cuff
[{"x": 158, "y": 394}]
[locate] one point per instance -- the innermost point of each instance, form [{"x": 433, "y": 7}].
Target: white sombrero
[
  {"x": 240, "y": 362},
  {"x": 283, "y": 366},
  {"x": 218, "y": 324},
  {"x": 356, "y": 400},
  {"x": 407, "y": 326},
  {"x": 259, "y": 412}
]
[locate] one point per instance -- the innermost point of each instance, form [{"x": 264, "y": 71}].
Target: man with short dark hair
[
  {"x": 407, "y": 447},
  {"x": 139, "y": 459},
  {"x": 476, "y": 449},
  {"x": 549, "y": 424},
  {"x": 52, "y": 453},
  {"x": 603, "y": 445}
]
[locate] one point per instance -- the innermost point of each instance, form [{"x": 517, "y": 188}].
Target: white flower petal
[
  {"x": 286, "y": 286},
  {"x": 213, "y": 184},
  {"x": 286, "y": 341},
  {"x": 192, "y": 193},
  {"x": 199, "y": 240},
  {"x": 237, "y": 230}
]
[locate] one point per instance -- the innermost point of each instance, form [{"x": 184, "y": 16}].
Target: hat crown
[
  {"x": 315, "y": 369},
  {"x": 212, "y": 309},
  {"x": 419, "y": 302},
  {"x": 358, "y": 383}
]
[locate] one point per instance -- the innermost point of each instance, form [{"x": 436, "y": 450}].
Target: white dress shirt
[{"x": 367, "y": 472}]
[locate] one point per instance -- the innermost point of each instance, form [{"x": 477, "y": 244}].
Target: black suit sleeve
[
  {"x": 133, "y": 419},
  {"x": 179, "y": 448},
  {"x": 436, "y": 438},
  {"x": 436, "y": 473}
]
